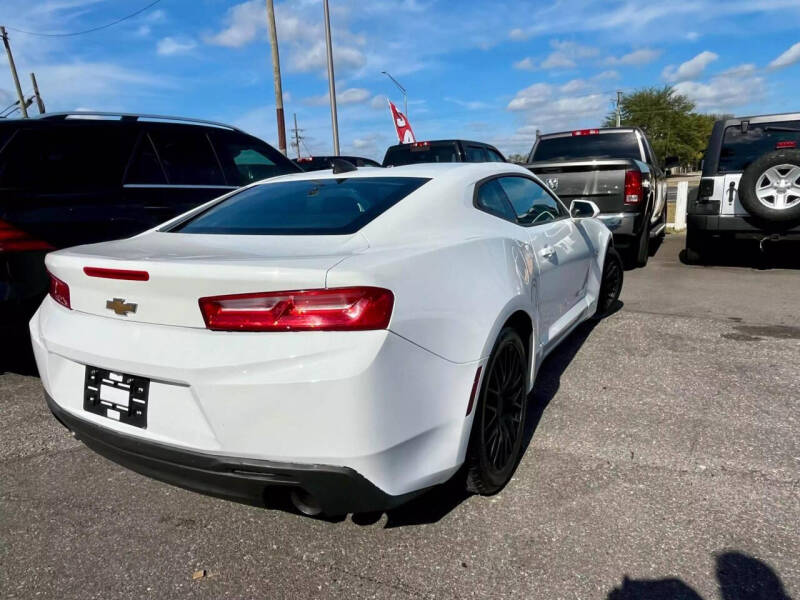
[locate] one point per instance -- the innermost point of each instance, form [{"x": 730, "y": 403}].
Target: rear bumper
[
  {"x": 740, "y": 227},
  {"x": 369, "y": 402},
  {"x": 339, "y": 490}
]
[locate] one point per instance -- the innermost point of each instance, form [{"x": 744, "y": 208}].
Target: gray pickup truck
[{"x": 616, "y": 169}]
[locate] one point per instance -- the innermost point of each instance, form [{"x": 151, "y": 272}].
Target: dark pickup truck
[{"x": 616, "y": 169}]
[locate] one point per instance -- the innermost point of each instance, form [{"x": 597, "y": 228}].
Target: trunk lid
[
  {"x": 601, "y": 181},
  {"x": 184, "y": 267}
]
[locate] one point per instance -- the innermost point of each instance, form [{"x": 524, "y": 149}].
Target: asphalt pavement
[{"x": 663, "y": 463}]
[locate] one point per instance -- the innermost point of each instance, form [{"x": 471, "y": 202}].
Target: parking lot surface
[{"x": 663, "y": 463}]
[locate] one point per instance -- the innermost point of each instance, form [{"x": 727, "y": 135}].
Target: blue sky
[{"x": 489, "y": 70}]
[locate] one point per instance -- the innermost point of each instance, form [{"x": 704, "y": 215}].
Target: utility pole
[
  {"x": 297, "y": 136},
  {"x": 402, "y": 89},
  {"x": 11, "y": 64},
  {"x": 276, "y": 74},
  {"x": 331, "y": 80},
  {"x": 39, "y": 101},
  {"x": 619, "y": 100}
]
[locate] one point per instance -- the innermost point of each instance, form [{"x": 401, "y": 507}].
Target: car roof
[
  {"x": 450, "y": 141},
  {"x": 426, "y": 170},
  {"x": 600, "y": 130}
]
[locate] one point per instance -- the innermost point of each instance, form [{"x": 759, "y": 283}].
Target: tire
[
  {"x": 640, "y": 249},
  {"x": 696, "y": 246},
  {"x": 610, "y": 283},
  {"x": 761, "y": 189},
  {"x": 499, "y": 421}
]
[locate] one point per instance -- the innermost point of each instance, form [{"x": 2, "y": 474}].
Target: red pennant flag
[{"x": 401, "y": 124}]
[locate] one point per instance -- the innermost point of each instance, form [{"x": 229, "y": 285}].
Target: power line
[{"x": 92, "y": 30}]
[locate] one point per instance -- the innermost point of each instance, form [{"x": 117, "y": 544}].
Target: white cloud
[
  {"x": 526, "y": 64},
  {"x": 637, "y": 57},
  {"x": 244, "y": 22},
  {"x": 566, "y": 55},
  {"x": 315, "y": 58},
  {"x": 691, "y": 69},
  {"x": 609, "y": 74},
  {"x": 692, "y": 36},
  {"x": 469, "y": 104},
  {"x": 730, "y": 89},
  {"x": 518, "y": 34},
  {"x": 344, "y": 97},
  {"x": 532, "y": 96},
  {"x": 170, "y": 46},
  {"x": 791, "y": 56},
  {"x": 378, "y": 102},
  {"x": 572, "y": 86}
]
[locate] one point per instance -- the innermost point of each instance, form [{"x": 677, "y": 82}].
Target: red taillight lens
[
  {"x": 580, "y": 132},
  {"x": 786, "y": 144},
  {"x": 633, "y": 187},
  {"x": 59, "y": 291},
  {"x": 16, "y": 240},
  {"x": 336, "y": 309},
  {"x": 125, "y": 274}
]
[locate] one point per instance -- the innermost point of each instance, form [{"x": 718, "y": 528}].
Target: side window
[
  {"x": 145, "y": 167},
  {"x": 494, "y": 156},
  {"x": 476, "y": 154},
  {"x": 187, "y": 156},
  {"x": 246, "y": 160},
  {"x": 65, "y": 159},
  {"x": 492, "y": 199},
  {"x": 532, "y": 204}
]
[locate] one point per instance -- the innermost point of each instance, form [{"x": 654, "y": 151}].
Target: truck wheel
[
  {"x": 770, "y": 187},
  {"x": 640, "y": 250}
]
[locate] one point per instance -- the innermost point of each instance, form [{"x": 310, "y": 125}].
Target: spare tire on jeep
[{"x": 770, "y": 187}]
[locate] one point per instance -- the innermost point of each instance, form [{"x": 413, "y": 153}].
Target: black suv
[
  {"x": 69, "y": 179},
  {"x": 441, "y": 151},
  {"x": 750, "y": 186},
  {"x": 321, "y": 163}
]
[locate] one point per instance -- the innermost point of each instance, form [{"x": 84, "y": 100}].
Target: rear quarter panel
[{"x": 451, "y": 298}]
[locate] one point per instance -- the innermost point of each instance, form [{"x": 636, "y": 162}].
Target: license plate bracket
[{"x": 117, "y": 396}]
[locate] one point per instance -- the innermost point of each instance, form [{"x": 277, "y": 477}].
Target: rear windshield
[
  {"x": 408, "y": 154},
  {"x": 310, "y": 207},
  {"x": 740, "y": 149},
  {"x": 601, "y": 145}
]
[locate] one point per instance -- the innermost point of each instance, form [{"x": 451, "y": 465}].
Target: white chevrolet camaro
[{"x": 351, "y": 338}]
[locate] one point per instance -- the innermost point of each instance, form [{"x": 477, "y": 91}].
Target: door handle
[{"x": 547, "y": 252}]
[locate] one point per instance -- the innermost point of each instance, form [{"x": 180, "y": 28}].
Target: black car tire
[
  {"x": 499, "y": 422},
  {"x": 755, "y": 174},
  {"x": 610, "y": 284}
]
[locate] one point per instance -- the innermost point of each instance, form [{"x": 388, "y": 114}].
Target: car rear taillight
[
  {"x": 705, "y": 189},
  {"x": 786, "y": 144},
  {"x": 420, "y": 144},
  {"x": 633, "y": 187},
  {"x": 13, "y": 239},
  {"x": 336, "y": 309},
  {"x": 59, "y": 291},
  {"x": 579, "y": 132}
]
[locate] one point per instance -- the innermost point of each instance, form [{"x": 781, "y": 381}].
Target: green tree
[{"x": 669, "y": 120}]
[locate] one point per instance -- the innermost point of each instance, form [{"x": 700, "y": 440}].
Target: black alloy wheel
[
  {"x": 610, "y": 283},
  {"x": 499, "y": 421}
]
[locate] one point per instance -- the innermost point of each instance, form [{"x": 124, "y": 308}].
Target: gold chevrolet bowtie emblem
[{"x": 119, "y": 306}]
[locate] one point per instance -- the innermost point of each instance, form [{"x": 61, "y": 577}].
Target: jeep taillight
[
  {"x": 706, "y": 189},
  {"x": 633, "y": 187}
]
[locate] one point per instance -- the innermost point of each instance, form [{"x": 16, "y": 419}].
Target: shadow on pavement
[
  {"x": 747, "y": 253},
  {"x": 440, "y": 500},
  {"x": 16, "y": 353},
  {"x": 740, "y": 577}
]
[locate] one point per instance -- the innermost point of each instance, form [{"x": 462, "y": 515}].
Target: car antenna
[{"x": 341, "y": 165}]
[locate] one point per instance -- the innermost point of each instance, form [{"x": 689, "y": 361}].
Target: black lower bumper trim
[
  {"x": 740, "y": 226},
  {"x": 338, "y": 490}
]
